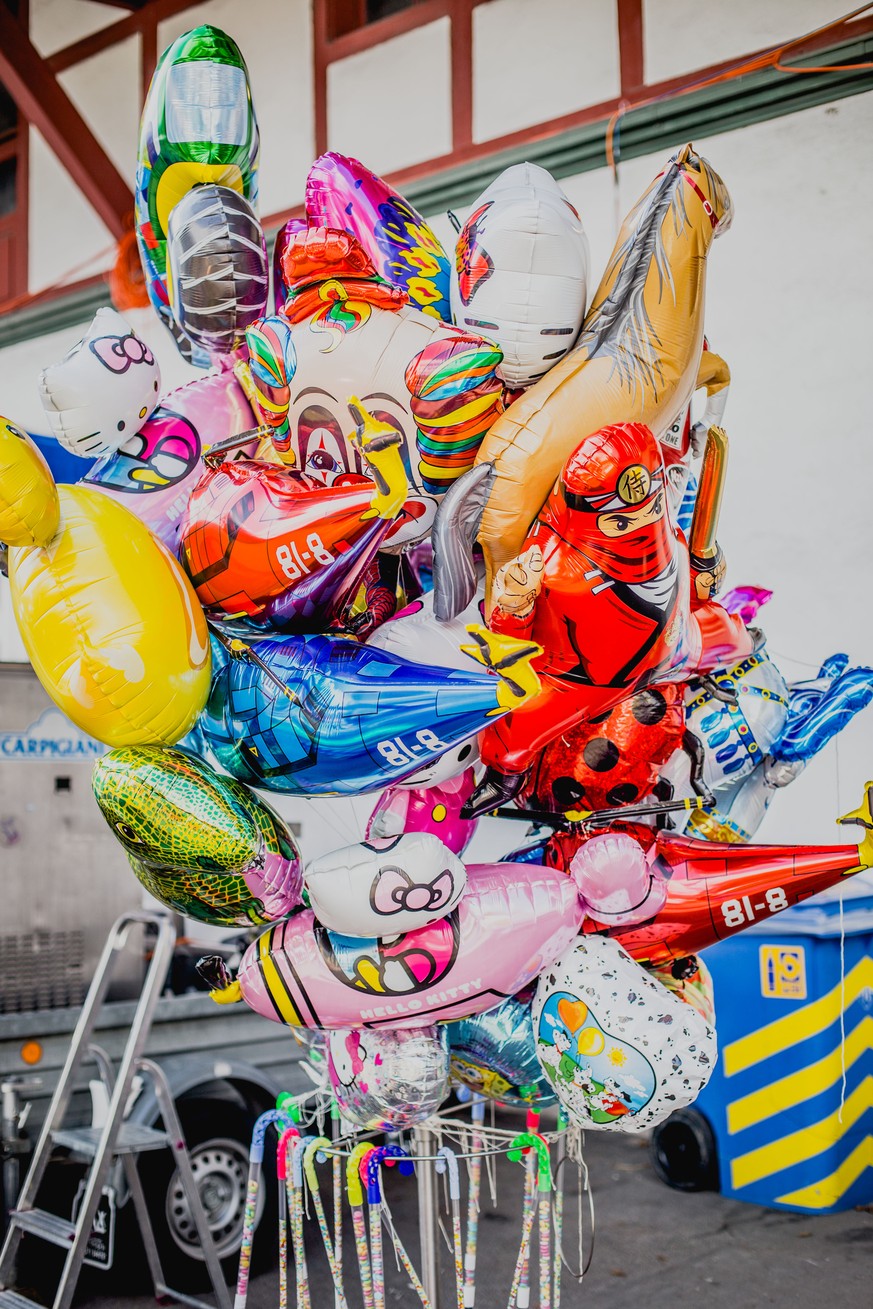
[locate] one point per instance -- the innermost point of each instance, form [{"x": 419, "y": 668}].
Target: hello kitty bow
[
  {"x": 394, "y": 890},
  {"x": 117, "y": 353}
]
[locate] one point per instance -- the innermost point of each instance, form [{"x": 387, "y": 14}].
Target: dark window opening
[
  {"x": 344, "y": 16},
  {"x": 8, "y": 174},
  {"x": 63, "y": 784}
]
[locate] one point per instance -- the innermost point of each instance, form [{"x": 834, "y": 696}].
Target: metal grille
[{"x": 42, "y": 970}]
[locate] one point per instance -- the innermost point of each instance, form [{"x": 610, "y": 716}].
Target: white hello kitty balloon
[
  {"x": 385, "y": 887},
  {"x": 104, "y": 389}
]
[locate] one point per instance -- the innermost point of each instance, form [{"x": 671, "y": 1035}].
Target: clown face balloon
[
  {"x": 620, "y": 1051},
  {"x": 384, "y": 1081},
  {"x": 104, "y": 389},
  {"x": 382, "y": 886}
]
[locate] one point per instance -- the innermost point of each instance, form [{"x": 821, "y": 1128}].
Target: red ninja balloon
[{"x": 605, "y": 587}]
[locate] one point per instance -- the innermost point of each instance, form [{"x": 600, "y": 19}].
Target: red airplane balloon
[{"x": 716, "y": 889}]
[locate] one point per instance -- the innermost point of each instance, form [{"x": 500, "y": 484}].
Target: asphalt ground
[{"x": 653, "y": 1246}]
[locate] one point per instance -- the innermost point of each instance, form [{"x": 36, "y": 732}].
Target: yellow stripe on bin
[
  {"x": 802, "y": 1085},
  {"x": 798, "y": 1026},
  {"x": 824, "y": 1194},
  {"x": 803, "y": 1144}
]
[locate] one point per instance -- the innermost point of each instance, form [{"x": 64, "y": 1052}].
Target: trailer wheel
[
  {"x": 683, "y": 1152},
  {"x": 218, "y": 1137}
]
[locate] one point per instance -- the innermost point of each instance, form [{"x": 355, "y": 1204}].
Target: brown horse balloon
[{"x": 637, "y": 358}]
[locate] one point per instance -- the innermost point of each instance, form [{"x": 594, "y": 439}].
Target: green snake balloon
[{"x": 204, "y": 845}]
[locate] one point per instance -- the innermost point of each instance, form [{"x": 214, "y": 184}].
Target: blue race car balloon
[{"x": 321, "y": 715}]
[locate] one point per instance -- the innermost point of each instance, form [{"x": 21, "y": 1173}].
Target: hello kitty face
[
  {"x": 103, "y": 391},
  {"x": 348, "y": 1056}
]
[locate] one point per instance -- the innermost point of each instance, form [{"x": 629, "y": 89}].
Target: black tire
[
  {"x": 218, "y": 1136},
  {"x": 683, "y": 1152}
]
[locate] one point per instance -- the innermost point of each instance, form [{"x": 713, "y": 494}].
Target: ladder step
[
  {"x": 13, "y": 1300},
  {"x": 132, "y": 1139},
  {"x": 49, "y": 1227}
]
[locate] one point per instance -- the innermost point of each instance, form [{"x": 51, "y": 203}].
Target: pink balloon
[
  {"x": 435, "y": 809},
  {"x": 615, "y": 882},
  {"x": 745, "y": 601},
  {"x": 155, "y": 471},
  {"x": 513, "y": 921},
  {"x": 343, "y": 194}
]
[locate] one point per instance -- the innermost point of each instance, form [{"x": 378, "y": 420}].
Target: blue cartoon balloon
[
  {"x": 321, "y": 715},
  {"x": 821, "y": 708},
  {"x": 495, "y": 1053}
]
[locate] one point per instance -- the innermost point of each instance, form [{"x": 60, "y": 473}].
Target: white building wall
[
  {"x": 538, "y": 59},
  {"x": 391, "y": 105},
  {"x": 275, "y": 37},
  {"x": 681, "y": 36}
]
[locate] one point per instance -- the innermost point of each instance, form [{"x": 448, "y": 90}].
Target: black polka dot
[
  {"x": 624, "y": 793},
  {"x": 601, "y": 754},
  {"x": 567, "y": 791},
  {"x": 648, "y": 707}
]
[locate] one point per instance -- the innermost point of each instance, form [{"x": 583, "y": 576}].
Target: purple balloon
[
  {"x": 154, "y": 472},
  {"x": 745, "y": 601},
  {"x": 343, "y": 194}
]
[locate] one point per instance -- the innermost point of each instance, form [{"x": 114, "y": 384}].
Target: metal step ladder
[{"x": 116, "y": 1139}]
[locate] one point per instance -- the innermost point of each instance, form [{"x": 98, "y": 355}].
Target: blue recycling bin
[{"x": 791, "y": 1100}]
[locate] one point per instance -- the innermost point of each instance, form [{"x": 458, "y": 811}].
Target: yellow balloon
[
  {"x": 111, "y": 623},
  {"x": 590, "y": 1041},
  {"x": 29, "y": 508}
]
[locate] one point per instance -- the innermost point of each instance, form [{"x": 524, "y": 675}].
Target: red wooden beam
[
  {"x": 461, "y": 12},
  {"x": 153, "y": 13},
  {"x": 44, "y": 103},
  {"x": 630, "y": 46},
  {"x": 320, "y": 29},
  {"x": 148, "y": 58}
]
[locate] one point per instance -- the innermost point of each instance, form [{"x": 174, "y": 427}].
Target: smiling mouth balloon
[{"x": 203, "y": 845}]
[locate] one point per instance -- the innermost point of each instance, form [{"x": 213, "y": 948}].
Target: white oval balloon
[
  {"x": 383, "y": 887},
  {"x": 621, "y": 1052},
  {"x": 103, "y": 390},
  {"x": 520, "y": 275}
]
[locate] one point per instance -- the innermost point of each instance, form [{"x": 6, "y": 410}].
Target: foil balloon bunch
[{"x": 423, "y": 512}]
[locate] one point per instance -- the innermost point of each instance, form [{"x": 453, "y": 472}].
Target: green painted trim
[{"x": 755, "y": 98}]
